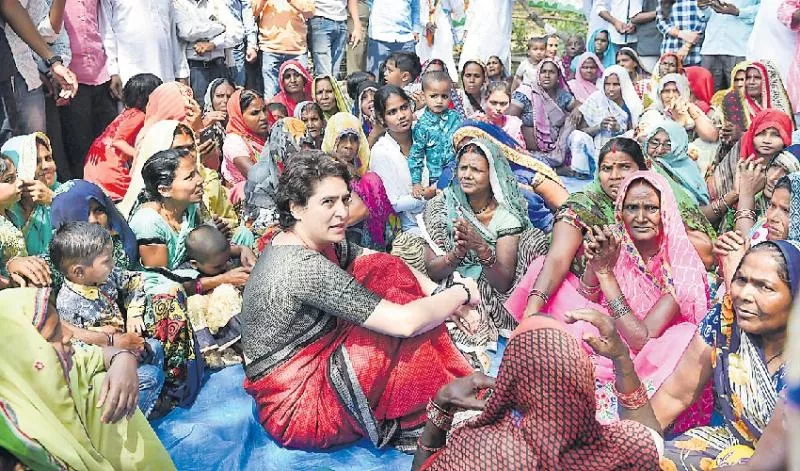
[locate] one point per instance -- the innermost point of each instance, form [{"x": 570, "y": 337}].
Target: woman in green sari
[
  {"x": 32, "y": 155},
  {"x": 50, "y": 391}
]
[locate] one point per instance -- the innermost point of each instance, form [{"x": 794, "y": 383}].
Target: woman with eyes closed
[{"x": 643, "y": 267}]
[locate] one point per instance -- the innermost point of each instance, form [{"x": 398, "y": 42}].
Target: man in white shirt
[
  {"x": 328, "y": 34},
  {"x": 144, "y": 39},
  {"x": 208, "y": 33},
  {"x": 618, "y": 14}
]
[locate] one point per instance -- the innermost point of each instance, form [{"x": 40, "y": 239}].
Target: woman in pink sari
[{"x": 645, "y": 269}]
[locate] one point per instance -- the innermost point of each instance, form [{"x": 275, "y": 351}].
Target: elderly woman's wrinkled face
[
  {"x": 668, "y": 65},
  {"x": 223, "y": 92},
  {"x": 313, "y": 121},
  {"x": 659, "y": 145},
  {"x": 778, "y": 215},
  {"x": 10, "y": 187},
  {"x": 761, "y": 299},
  {"x": 612, "y": 88},
  {"x": 669, "y": 93},
  {"x": 324, "y": 217},
  {"x": 347, "y": 147},
  {"x": 752, "y": 83},
  {"x": 45, "y": 165},
  {"x": 473, "y": 173},
  {"x": 97, "y": 214},
  {"x": 187, "y": 186},
  {"x": 494, "y": 68},
  {"x": 323, "y": 95},
  {"x": 575, "y": 46},
  {"x": 589, "y": 70},
  {"x": 738, "y": 81},
  {"x": 767, "y": 143},
  {"x": 613, "y": 169},
  {"x": 641, "y": 212}
]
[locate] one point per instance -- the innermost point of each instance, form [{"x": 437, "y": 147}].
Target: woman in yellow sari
[{"x": 49, "y": 396}]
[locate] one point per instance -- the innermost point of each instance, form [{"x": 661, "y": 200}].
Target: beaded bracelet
[
  {"x": 539, "y": 294},
  {"x": 618, "y": 307},
  {"x": 745, "y": 214},
  {"x": 429, "y": 449},
  {"x": 633, "y": 400},
  {"x": 439, "y": 417},
  {"x": 469, "y": 295}
]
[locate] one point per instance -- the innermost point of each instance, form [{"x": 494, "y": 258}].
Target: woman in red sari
[
  {"x": 108, "y": 162},
  {"x": 342, "y": 342}
]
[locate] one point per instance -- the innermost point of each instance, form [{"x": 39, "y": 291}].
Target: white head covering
[{"x": 629, "y": 95}]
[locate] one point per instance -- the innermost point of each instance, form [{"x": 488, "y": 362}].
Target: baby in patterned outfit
[{"x": 104, "y": 305}]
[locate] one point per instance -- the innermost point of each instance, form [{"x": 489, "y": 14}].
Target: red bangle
[
  {"x": 438, "y": 416},
  {"x": 429, "y": 449},
  {"x": 633, "y": 400}
]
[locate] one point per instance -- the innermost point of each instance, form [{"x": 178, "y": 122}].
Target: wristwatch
[{"x": 56, "y": 58}]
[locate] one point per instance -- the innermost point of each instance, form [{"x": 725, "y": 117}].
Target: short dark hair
[
  {"x": 205, "y": 241},
  {"x": 537, "y": 40},
  {"x": 78, "y": 242},
  {"x": 159, "y": 170},
  {"x": 406, "y": 62},
  {"x": 783, "y": 183},
  {"x": 354, "y": 80},
  {"x": 498, "y": 86},
  {"x": 435, "y": 76},
  {"x": 136, "y": 92},
  {"x": 626, "y": 145},
  {"x": 296, "y": 184},
  {"x": 275, "y": 106},
  {"x": 383, "y": 94}
]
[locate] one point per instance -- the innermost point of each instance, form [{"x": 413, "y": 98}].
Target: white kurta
[
  {"x": 770, "y": 39},
  {"x": 443, "y": 41},
  {"x": 488, "y": 31}
]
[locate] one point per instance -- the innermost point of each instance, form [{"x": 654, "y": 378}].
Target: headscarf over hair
[
  {"x": 680, "y": 82},
  {"x": 542, "y": 414},
  {"x": 167, "y": 102},
  {"x": 363, "y": 88},
  {"x": 71, "y": 203},
  {"x": 208, "y": 98},
  {"x": 681, "y": 273},
  {"x": 159, "y": 137},
  {"x": 282, "y": 96},
  {"x": 342, "y": 100},
  {"x": 656, "y": 75},
  {"x": 339, "y": 125},
  {"x": 768, "y": 118},
  {"x": 48, "y": 418},
  {"x": 678, "y": 163},
  {"x": 24, "y": 152},
  {"x": 236, "y": 124},
  {"x": 298, "y": 110},
  {"x": 598, "y": 106},
  {"x": 285, "y": 138},
  {"x": 791, "y": 253},
  {"x": 741, "y": 110},
  {"x": 580, "y": 87},
  {"x": 701, "y": 82},
  {"x": 505, "y": 189},
  {"x": 635, "y": 57},
  {"x": 719, "y": 96},
  {"x": 610, "y": 56},
  {"x": 794, "y": 207}
]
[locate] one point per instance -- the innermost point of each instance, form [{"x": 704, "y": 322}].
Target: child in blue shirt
[{"x": 433, "y": 136}]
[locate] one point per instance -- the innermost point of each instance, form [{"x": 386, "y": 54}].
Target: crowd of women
[{"x": 648, "y": 314}]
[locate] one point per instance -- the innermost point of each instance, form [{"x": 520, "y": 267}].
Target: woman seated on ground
[
  {"x": 36, "y": 171},
  {"x": 75, "y": 407},
  {"x": 539, "y": 184},
  {"x": 247, "y": 132},
  {"x": 337, "y": 336},
  {"x": 648, "y": 274},
  {"x": 470, "y": 97},
  {"x": 215, "y": 112},
  {"x": 593, "y": 206},
  {"x": 372, "y": 222},
  {"x": 551, "y": 424},
  {"x": 606, "y": 113},
  {"x": 668, "y": 63},
  {"x": 740, "y": 346},
  {"x": 479, "y": 227},
  {"x": 294, "y": 84},
  {"x": 543, "y": 107},
  {"x": 327, "y": 94},
  {"x": 764, "y": 143},
  {"x": 736, "y": 84},
  {"x": 389, "y": 156},
  {"x": 763, "y": 88},
  {"x": 364, "y": 105},
  {"x": 109, "y": 159},
  {"x": 495, "y": 70},
  {"x": 587, "y": 71},
  {"x": 604, "y": 49},
  {"x": 673, "y": 101},
  {"x": 311, "y": 115},
  {"x": 16, "y": 267},
  {"x": 498, "y": 99},
  {"x": 629, "y": 60},
  {"x": 781, "y": 220}
]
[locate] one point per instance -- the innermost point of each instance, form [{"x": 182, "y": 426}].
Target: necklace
[
  {"x": 775, "y": 356},
  {"x": 485, "y": 208}
]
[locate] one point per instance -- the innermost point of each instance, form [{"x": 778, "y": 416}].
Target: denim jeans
[
  {"x": 151, "y": 377},
  {"x": 327, "y": 40},
  {"x": 236, "y": 71},
  {"x": 379, "y": 51},
  {"x": 202, "y": 73},
  {"x": 30, "y": 108},
  {"x": 270, "y": 65}
]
